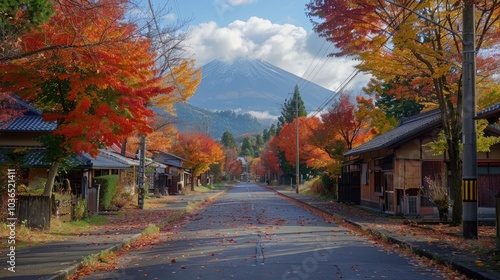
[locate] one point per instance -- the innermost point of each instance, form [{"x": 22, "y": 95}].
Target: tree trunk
[
  {"x": 192, "y": 179},
  {"x": 123, "y": 150},
  {"x": 51, "y": 177},
  {"x": 456, "y": 183}
]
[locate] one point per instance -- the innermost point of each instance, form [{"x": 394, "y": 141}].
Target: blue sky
[
  {"x": 275, "y": 31},
  {"x": 223, "y": 12}
]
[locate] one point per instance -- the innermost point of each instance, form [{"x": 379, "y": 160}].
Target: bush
[
  {"x": 122, "y": 199},
  {"x": 107, "y": 192},
  {"x": 329, "y": 184},
  {"x": 81, "y": 207}
]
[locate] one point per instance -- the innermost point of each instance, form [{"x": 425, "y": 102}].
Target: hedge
[{"x": 107, "y": 192}]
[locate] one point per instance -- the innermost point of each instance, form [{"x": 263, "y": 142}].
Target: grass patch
[
  {"x": 202, "y": 189},
  {"x": 219, "y": 185},
  {"x": 68, "y": 228},
  {"x": 90, "y": 221},
  {"x": 156, "y": 202},
  {"x": 151, "y": 230}
]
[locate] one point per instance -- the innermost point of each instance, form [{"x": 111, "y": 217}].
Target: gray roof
[
  {"x": 103, "y": 162},
  {"x": 491, "y": 113},
  {"x": 30, "y": 119},
  {"x": 407, "y": 129},
  {"x": 34, "y": 157},
  {"x": 29, "y": 123}
]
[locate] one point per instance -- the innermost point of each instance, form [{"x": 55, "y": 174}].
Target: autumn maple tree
[
  {"x": 232, "y": 166},
  {"x": 416, "y": 47},
  {"x": 97, "y": 90},
  {"x": 199, "y": 151},
  {"x": 269, "y": 159},
  {"x": 286, "y": 142},
  {"x": 349, "y": 122}
]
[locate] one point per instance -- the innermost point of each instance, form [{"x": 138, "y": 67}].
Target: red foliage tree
[
  {"x": 96, "y": 92},
  {"x": 200, "y": 151}
]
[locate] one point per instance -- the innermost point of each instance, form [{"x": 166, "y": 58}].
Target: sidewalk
[
  {"x": 391, "y": 229},
  {"x": 60, "y": 260}
]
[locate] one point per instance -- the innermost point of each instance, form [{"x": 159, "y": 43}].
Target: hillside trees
[
  {"x": 418, "y": 43},
  {"x": 89, "y": 70},
  {"x": 200, "y": 151},
  {"x": 228, "y": 140}
]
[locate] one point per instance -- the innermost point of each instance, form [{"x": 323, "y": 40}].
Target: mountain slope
[
  {"x": 193, "y": 119},
  {"x": 252, "y": 85}
]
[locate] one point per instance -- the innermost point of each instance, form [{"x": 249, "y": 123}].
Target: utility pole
[
  {"x": 142, "y": 167},
  {"x": 297, "y": 176},
  {"x": 469, "y": 164}
]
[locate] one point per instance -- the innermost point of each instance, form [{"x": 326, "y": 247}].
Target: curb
[{"x": 71, "y": 270}]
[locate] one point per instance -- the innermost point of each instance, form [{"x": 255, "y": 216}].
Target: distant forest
[{"x": 191, "y": 118}]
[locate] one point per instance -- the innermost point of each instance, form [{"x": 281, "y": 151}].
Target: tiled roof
[
  {"x": 29, "y": 123},
  {"x": 408, "y": 128},
  {"x": 30, "y": 119},
  {"x": 492, "y": 112},
  {"x": 34, "y": 157}
]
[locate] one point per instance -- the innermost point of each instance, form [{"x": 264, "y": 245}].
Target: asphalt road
[{"x": 252, "y": 233}]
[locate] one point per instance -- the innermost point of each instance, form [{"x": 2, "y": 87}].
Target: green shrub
[
  {"x": 107, "y": 192},
  {"x": 329, "y": 185},
  {"x": 81, "y": 206}
]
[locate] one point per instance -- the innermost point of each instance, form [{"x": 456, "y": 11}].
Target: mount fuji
[{"x": 255, "y": 87}]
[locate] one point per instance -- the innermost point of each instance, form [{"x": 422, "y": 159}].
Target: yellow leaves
[{"x": 184, "y": 80}]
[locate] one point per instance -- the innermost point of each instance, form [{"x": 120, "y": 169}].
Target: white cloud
[
  {"x": 240, "y": 2},
  {"x": 170, "y": 16},
  {"x": 262, "y": 116},
  {"x": 287, "y": 46}
]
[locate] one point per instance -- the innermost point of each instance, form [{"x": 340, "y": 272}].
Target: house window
[
  {"x": 114, "y": 172},
  {"x": 488, "y": 170}
]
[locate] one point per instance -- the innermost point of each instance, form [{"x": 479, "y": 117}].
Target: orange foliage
[
  {"x": 232, "y": 165},
  {"x": 199, "y": 151},
  {"x": 184, "y": 80},
  {"x": 286, "y": 140},
  {"x": 94, "y": 77}
]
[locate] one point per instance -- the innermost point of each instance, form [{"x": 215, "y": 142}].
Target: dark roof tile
[
  {"x": 30, "y": 123},
  {"x": 409, "y": 127}
]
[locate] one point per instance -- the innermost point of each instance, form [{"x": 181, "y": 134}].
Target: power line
[{"x": 356, "y": 71}]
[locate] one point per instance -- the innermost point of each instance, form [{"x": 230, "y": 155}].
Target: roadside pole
[
  {"x": 142, "y": 167},
  {"x": 469, "y": 163}
]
